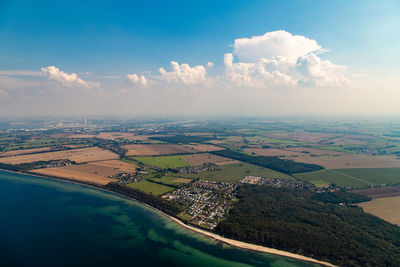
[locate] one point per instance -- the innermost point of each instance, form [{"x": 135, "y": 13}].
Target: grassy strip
[{"x": 155, "y": 189}]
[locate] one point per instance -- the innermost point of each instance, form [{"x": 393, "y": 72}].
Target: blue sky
[{"x": 125, "y": 37}]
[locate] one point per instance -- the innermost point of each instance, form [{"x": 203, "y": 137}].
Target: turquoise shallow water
[{"x": 52, "y": 223}]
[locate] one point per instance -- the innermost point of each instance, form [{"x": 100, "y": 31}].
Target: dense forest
[
  {"x": 340, "y": 197},
  {"x": 300, "y": 222},
  {"x": 275, "y": 163},
  {"x": 169, "y": 207}
]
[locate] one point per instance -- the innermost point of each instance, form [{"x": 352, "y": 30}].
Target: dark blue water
[{"x": 52, "y": 223}]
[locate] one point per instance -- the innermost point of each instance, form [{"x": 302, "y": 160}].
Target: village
[
  {"x": 207, "y": 201},
  {"x": 292, "y": 184}
]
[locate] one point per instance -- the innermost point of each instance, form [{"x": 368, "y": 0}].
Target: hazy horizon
[{"x": 200, "y": 58}]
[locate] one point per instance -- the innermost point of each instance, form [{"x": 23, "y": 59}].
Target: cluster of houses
[
  {"x": 51, "y": 163},
  {"x": 207, "y": 201},
  {"x": 291, "y": 184},
  {"x": 126, "y": 177}
]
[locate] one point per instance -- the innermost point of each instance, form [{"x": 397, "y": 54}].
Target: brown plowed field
[
  {"x": 382, "y": 192},
  {"x": 77, "y": 155}
]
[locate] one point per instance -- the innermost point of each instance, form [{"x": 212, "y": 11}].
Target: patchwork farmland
[{"x": 77, "y": 155}]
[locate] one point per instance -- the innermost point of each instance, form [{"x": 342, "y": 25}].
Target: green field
[
  {"x": 149, "y": 187},
  {"x": 164, "y": 161},
  {"x": 332, "y": 176},
  {"x": 7, "y": 144},
  {"x": 379, "y": 176},
  {"x": 235, "y": 172},
  {"x": 356, "y": 178},
  {"x": 172, "y": 180}
]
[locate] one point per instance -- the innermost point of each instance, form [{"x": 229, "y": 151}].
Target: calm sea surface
[{"x": 52, "y": 223}]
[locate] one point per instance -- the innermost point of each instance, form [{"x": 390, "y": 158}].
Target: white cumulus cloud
[
  {"x": 318, "y": 72},
  {"x": 183, "y": 74},
  {"x": 136, "y": 79},
  {"x": 241, "y": 74},
  {"x": 273, "y": 44},
  {"x": 67, "y": 79},
  {"x": 280, "y": 59},
  {"x": 276, "y": 59}
]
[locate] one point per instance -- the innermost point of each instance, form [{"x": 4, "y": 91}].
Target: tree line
[
  {"x": 274, "y": 163},
  {"x": 301, "y": 222}
]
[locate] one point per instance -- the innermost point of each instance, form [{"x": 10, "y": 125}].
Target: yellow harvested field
[
  {"x": 350, "y": 161},
  {"x": 204, "y": 147},
  {"x": 227, "y": 162},
  {"x": 116, "y": 165},
  {"x": 80, "y": 136},
  {"x": 85, "y": 172},
  {"x": 157, "y": 149},
  {"x": 182, "y": 180},
  {"x": 387, "y": 208},
  {"x": 272, "y": 152},
  {"x": 314, "y": 151},
  {"x": 308, "y": 137},
  {"x": 23, "y": 151},
  {"x": 77, "y": 155},
  {"x": 198, "y": 159},
  {"x": 119, "y": 135},
  {"x": 216, "y": 142}
]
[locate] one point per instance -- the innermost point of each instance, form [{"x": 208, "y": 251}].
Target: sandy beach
[{"x": 232, "y": 242}]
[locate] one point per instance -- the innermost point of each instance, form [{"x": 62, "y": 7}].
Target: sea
[{"x": 45, "y": 222}]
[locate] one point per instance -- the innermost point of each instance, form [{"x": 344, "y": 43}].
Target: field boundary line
[{"x": 353, "y": 177}]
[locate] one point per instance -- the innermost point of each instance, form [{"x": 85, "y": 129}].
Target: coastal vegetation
[
  {"x": 185, "y": 172},
  {"x": 299, "y": 222},
  {"x": 169, "y": 207},
  {"x": 154, "y": 189}
]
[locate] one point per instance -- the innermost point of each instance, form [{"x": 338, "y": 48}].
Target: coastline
[{"x": 231, "y": 242}]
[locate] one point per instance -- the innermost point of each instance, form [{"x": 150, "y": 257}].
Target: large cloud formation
[
  {"x": 183, "y": 74},
  {"x": 179, "y": 74},
  {"x": 67, "y": 79},
  {"x": 280, "y": 59},
  {"x": 136, "y": 79},
  {"x": 276, "y": 59},
  {"x": 273, "y": 44}
]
